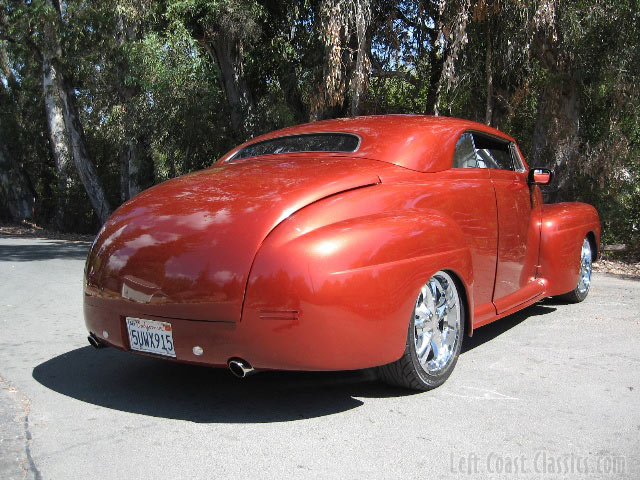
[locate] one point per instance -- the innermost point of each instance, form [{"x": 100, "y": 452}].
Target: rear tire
[
  {"x": 434, "y": 338},
  {"x": 581, "y": 291}
]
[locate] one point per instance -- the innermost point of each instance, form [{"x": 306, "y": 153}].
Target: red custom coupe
[{"x": 341, "y": 244}]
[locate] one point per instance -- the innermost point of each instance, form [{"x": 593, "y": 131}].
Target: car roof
[{"x": 419, "y": 142}]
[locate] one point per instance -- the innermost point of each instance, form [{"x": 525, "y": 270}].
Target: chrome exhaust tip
[
  {"x": 240, "y": 368},
  {"x": 95, "y": 342}
]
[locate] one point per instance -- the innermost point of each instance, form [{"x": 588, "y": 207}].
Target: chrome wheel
[
  {"x": 437, "y": 323},
  {"x": 581, "y": 290},
  {"x": 434, "y": 337},
  {"x": 584, "y": 280}
]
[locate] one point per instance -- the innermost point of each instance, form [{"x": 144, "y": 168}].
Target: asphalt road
[{"x": 551, "y": 392}]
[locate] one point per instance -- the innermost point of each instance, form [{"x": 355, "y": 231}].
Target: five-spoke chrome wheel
[
  {"x": 436, "y": 323},
  {"x": 434, "y": 338},
  {"x": 581, "y": 290},
  {"x": 584, "y": 280}
]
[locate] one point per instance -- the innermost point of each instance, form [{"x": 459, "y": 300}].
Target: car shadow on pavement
[
  {"x": 44, "y": 250},
  {"x": 121, "y": 381},
  {"x": 146, "y": 386},
  {"x": 495, "y": 329}
]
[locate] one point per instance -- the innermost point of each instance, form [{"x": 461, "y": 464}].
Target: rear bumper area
[{"x": 327, "y": 340}]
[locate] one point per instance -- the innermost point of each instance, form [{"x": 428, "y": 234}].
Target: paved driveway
[{"x": 551, "y": 392}]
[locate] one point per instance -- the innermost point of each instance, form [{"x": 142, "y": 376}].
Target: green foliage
[
  {"x": 237, "y": 18},
  {"x": 178, "y": 103},
  {"x": 598, "y": 44},
  {"x": 145, "y": 74}
]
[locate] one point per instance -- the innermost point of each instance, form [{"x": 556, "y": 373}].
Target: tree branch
[
  {"x": 407, "y": 77},
  {"x": 6, "y": 37},
  {"x": 412, "y": 23},
  {"x": 28, "y": 41}
]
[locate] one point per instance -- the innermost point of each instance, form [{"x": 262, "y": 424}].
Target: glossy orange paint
[
  {"x": 541, "y": 178},
  {"x": 314, "y": 260},
  {"x": 561, "y": 224},
  {"x": 519, "y": 208},
  {"x": 417, "y": 142}
]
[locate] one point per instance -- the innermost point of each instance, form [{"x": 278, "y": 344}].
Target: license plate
[{"x": 150, "y": 336}]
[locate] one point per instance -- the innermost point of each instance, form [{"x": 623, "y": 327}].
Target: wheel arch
[
  {"x": 591, "y": 236},
  {"x": 361, "y": 271},
  {"x": 564, "y": 228},
  {"x": 464, "y": 289}
]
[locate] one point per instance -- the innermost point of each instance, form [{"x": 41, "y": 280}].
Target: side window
[
  {"x": 498, "y": 151},
  {"x": 481, "y": 151},
  {"x": 465, "y": 154}
]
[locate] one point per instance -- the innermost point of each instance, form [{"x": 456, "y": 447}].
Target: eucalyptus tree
[
  {"x": 226, "y": 29},
  {"x": 40, "y": 25},
  {"x": 130, "y": 22},
  {"x": 100, "y": 99},
  {"x": 16, "y": 191}
]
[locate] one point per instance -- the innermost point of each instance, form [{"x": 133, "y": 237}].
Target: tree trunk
[
  {"x": 55, "y": 119},
  {"x": 451, "y": 48},
  {"x": 67, "y": 142},
  {"x": 129, "y": 184},
  {"x": 436, "y": 63},
  {"x": 361, "y": 71},
  {"x": 290, "y": 85},
  {"x": 15, "y": 187},
  {"x": 4, "y": 65},
  {"x": 556, "y": 141},
  {"x": 86, "y": 170},
  {"x": 58, "y": 139},
  {"x": 129, "y": 161},
  {"x": 227, "y": 54},
  {"x": 488, "y": 115},
  {"x": 292, "y": 94}
]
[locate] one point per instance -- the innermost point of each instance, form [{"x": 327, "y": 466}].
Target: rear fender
[
  {"x": 358, "y": 276},
  {"x": 564, "y": 227}
]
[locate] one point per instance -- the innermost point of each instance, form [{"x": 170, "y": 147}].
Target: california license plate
[{"x": 151, "y": 336}]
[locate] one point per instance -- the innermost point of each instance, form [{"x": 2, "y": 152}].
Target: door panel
[
  {"x": 518, "y": 239},
  {"x": 470, "y": 201}
]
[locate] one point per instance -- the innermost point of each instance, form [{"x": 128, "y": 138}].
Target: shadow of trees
[{"x": 43, "y": 250}]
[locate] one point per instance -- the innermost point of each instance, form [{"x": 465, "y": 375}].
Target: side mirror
[{"x": 540, "y": 176}]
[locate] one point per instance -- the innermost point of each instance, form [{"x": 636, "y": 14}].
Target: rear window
[{"x": 315, "y": 142}]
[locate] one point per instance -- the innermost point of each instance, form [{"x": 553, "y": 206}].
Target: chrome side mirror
[{"x": 540, "y": 176}]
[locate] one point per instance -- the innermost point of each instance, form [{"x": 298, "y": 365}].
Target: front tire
[
  {"x": 581, "y": 291},
  {"x": 434, "y": 338}
]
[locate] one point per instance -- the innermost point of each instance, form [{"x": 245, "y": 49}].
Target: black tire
[
  {"x": 574, "y": 296},
  {"x": 579, "y": 293},
  {"x": 407, "y": 371}
]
